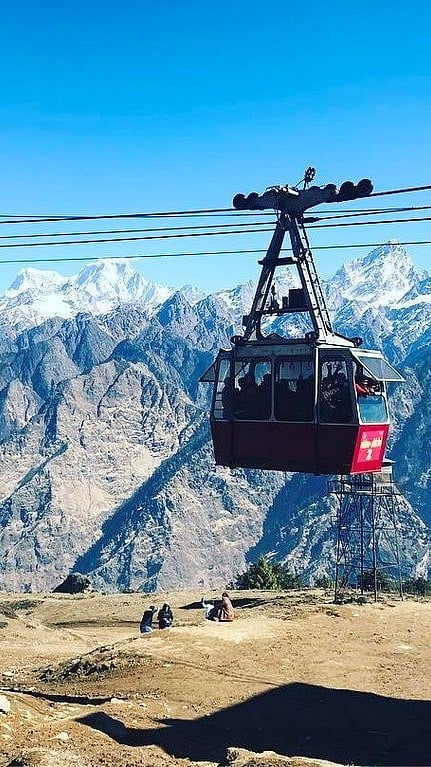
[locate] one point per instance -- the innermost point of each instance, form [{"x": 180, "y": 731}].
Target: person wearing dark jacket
[
  {"x": 165, "y": 617},
  {"x": 146, "y": 624}
]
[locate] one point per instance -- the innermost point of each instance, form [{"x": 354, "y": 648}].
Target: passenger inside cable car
[
  {"x": 252, "y": 390},
  {"x": 335, "y": 402},
  {"x": 250, "y": 395},
  {"x": 294, "y": 390},
  {"x": 370, "y": 397}
]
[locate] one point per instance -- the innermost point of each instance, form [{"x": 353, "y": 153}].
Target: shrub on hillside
[
  {"x": 383, "y": 580},
  {"x": 267, "y": 575},
  {"x": 418, "y": 586},
  {"x": 324, "y": 582}
]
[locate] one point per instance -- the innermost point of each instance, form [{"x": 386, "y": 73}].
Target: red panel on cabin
[
  {"x": 370, "y": 448},
  {"x": 335, "y": 447},
  {"x": 264, "y": 445}
]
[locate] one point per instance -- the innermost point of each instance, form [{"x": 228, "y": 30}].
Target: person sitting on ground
[
  {"x": 226, "y": 613},
  {"x": 221, "y": 611},
  {"x": 146, "y": 624},
  {"x": 210, "y": 610},
  {"x": 165, "y": 617}
]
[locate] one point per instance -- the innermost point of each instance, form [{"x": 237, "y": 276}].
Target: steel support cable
[
  {"x": 75, "y": 259},
  {"x": 262, "y": 228},
  {"x": 133, "y": 231},
  {"x": 160, "y": 214},
  {"x": 368, "y": 212},
  {"x": 230, "y": 213},
  {"x": 350, "y": 214},
  {"x": 401, "y": 191},
  {"x": 128, "y": 239},
  {"x": 347, "y": 214},
  {"x": 369, "y": 223},
  {"x": 177, "y": 213}
]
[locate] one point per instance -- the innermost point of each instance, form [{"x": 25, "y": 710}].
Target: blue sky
[{"x": 110, "y": 108}]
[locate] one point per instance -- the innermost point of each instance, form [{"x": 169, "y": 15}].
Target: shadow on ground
[
  {"x": 82, "y": 700},
  {"x": 236, "y": 602},
  {"x": 298, "y": 719}
]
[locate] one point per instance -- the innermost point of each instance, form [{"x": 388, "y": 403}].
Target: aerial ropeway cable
[
  {"x": 36, "y": 219},
  {"x": 189, "y": 254},
  {"x": 227, "y": 230}
]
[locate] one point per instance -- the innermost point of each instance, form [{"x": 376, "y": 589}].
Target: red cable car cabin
[
  {"x": 317, "y": 404},
  {"x": 292, "y": 407}
]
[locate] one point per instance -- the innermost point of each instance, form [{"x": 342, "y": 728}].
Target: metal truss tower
[{"x": 367, "y": 531}]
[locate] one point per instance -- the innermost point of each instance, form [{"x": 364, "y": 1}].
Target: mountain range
[{"x": 107, "y": 464}]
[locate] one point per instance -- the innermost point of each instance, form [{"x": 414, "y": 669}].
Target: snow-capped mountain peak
[
  {"x": 38, "y": 294},
  {"x": 35, "y": 280},
  {"x": 381, "y": 278},
  {"x": 385, "y": 277},
  {"x": 110, "y": 282},
  {"x": 109, "y": 277}
]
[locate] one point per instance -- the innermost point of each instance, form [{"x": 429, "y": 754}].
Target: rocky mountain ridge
[{"x": 107, "y": 463}]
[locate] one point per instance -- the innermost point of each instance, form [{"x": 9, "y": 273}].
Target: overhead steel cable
[
  {"x": 230, "y": 213},
  {"x": 130, "y": 239},
  {"x": 77, "y": 259},
  {"x": 132, "y": 231},
  {"x": 249, "y": 214},
  {"x": 369, "y": 223},
  {"x": 369, "y": 212},
  {"x": 401, "y": 191},
  {"x": 262, "y": 228},
  {"x": 349, "y": 214},
  {"x": 177, "y": 213},
  {"x": 160, "y": 214}
]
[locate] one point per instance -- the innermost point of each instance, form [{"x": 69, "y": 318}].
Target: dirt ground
[{"x": 295, "y": 676}]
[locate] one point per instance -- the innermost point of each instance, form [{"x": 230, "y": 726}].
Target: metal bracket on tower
[{"x": 290, "y": 205}]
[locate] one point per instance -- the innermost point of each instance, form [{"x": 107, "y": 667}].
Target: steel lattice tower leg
[{"x": 367, "y": 531}]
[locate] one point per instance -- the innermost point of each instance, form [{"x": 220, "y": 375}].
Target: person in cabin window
[
  {"x": 361, "y": 386},
  {"x": 226, "y": 398},
  {"x": 246, "y": 396},
  {"x": 366, "y": 387}
]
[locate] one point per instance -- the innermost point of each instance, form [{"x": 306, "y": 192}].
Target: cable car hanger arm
[{"x": 290, "y": 204}]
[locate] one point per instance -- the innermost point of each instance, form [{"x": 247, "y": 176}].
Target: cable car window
[
  {"x": 371, "y": 401},
  {"x": 223, "y": 392},
  {"x": 252, "y": 390},
  {"x": 335, "y": 401},
  {"x": 294, "y": 389},
  {"x": 377, "y": 367}
]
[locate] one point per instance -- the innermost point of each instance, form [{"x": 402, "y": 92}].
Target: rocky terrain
[{"x": 107, "y": 467}]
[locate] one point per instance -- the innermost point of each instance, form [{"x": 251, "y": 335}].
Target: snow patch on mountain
[
  {"x": 382, "y": 278},
  {"x": 35, "y": 280},
  {"x": 37, "y": 295}
]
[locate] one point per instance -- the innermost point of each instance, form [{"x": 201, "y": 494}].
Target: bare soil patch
[{"x": 294, "y": 680}]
